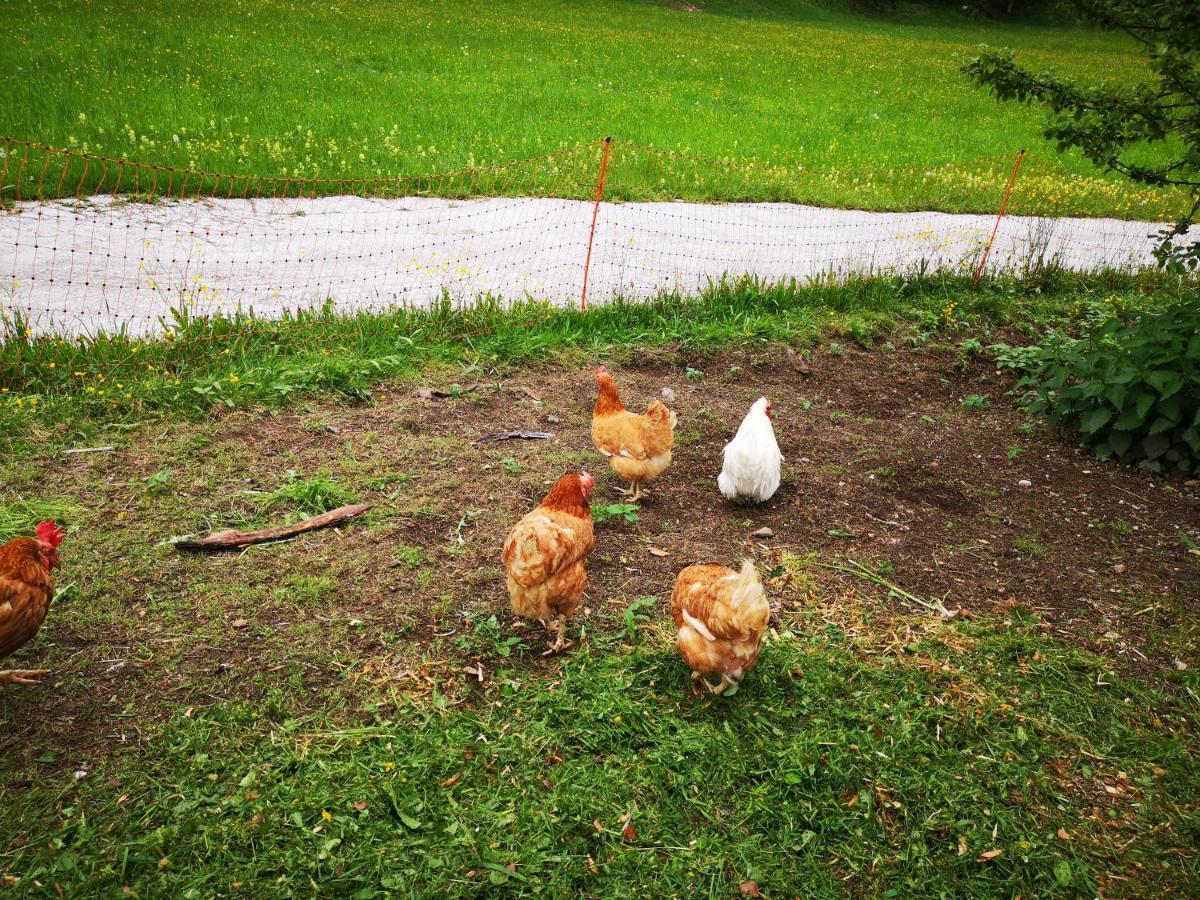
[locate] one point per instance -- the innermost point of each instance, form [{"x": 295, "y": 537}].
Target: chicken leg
[
  {"x": 28, "y": 677},
  {"x": 558, "y": 630},
  {"x": 634, "y": 492},
  {"x": 699, "y": 682}
]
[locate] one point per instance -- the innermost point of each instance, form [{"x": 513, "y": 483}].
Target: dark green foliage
[
  {"x": 1111, "y": 124},
  {"x": 1130, "y": 388}
]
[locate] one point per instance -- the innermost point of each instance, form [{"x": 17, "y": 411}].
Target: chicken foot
[
  {"x": 634, "y": 492},
  {"x": 558, "y": 630},
  {"x": 28, "y": 677},
  {"x": 699, "y": 682}
]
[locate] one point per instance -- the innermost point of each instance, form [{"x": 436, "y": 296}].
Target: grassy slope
[{"x": 375, "y": 88}]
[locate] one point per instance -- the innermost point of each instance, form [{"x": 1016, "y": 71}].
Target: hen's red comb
[{"x": 50, "y": 533}]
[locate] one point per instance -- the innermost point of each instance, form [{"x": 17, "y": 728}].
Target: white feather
[{"x": 752, "y": 459}]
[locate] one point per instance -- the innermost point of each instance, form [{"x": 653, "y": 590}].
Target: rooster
[
  {"x": 752, "y": 458},
  {"x": 720, "y": 615},
  {"x": 638, "y": 447},
  {"x": 544, "y": 556},
  {"x": 26, "y": 589}
]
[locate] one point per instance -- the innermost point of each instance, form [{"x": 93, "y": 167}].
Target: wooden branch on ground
[
  {"x": 237, "y": 540},
  {"x": 515, "y": 436}
]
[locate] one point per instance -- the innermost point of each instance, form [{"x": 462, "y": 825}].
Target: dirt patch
[{"x": 972, "y": 508}]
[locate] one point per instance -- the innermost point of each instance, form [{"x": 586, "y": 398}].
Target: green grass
[
  {"x": 841, "y": 768},
  {"x": 747, "y": 91},
  {"x": 314, "y": 495},
  {"x": 62, "y": 392},
  {"x": 19, "y": 519},
  {"x": 351, "y": 746}
]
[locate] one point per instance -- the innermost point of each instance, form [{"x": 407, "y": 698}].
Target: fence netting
[{"x": 92, "y": 246}]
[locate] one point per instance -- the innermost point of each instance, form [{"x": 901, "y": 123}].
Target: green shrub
[{"x": 1129, "y": 387}]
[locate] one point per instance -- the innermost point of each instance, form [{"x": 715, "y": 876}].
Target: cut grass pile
[
  {"x": 20, "y": 518},
  {"x": 759, "y": 96}
]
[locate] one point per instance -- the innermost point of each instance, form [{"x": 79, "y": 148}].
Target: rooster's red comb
[{"x": 50, "y": 533}]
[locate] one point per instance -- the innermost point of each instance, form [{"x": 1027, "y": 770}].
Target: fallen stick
[
  {"x": 108, "y": 449},
  {"x": 515, "y": 436},
  {"x": 237, "y": 540}
]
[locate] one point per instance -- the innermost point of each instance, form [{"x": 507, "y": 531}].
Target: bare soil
[{"x": 978, "y": 509}]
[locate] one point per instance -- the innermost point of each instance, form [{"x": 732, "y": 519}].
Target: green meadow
[{"x": 752, "y": 94}]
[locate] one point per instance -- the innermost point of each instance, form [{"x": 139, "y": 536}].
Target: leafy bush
[{"x": 1129, "y": 387}]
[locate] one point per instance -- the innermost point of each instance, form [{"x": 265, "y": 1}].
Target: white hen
[{"x": 752, "y": 458}]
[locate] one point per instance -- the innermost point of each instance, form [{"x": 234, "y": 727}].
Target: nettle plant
[{"x": 1130, "y": 388}]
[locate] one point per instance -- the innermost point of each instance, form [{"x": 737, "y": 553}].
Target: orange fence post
[
  {"x": 587, "y": 263},
  {"x": 1003, "y": 206}
]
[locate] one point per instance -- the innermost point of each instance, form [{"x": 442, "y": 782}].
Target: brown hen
[
  {"x": 638, "y": 447},
  {"x": 26, "y": 589},
  {"x": 720, "y": 615},
  {"x": 545, "y": 553}
]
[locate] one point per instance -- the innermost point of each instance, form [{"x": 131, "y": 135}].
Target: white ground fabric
[{"x": 107, "y": 264}]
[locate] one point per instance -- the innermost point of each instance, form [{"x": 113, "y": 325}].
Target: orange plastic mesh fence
[{"x": 96, "y": 246}]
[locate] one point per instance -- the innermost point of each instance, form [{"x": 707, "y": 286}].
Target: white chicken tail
[{"x": 727, "y": 487}]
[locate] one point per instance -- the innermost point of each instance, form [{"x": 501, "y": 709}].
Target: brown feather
[
  {"x": 544, "y": 554},
  {"x": 26, "y": 588},
  {"x": 731, "y": 606}
]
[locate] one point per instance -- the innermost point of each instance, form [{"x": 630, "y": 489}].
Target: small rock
[
  {"x": 239, "y": 623},
  {"x": 668, "y": 395},
  {"x": 554, "y": 420},
  {"x": 1180, "y": 665},
  {"x": 763, "y": 532},
  {"x": 1119, "y": 569},
  {"x": 1025, "y": 482},
  {"x": 657, "y": 551}
]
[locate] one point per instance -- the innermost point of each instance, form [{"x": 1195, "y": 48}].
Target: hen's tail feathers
[
  {"x": 750, "y": 606},
  {"x": 526, "y": 562},
  {"x": 657, "y": 412},
  {"x": 726, "y": 486}
]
